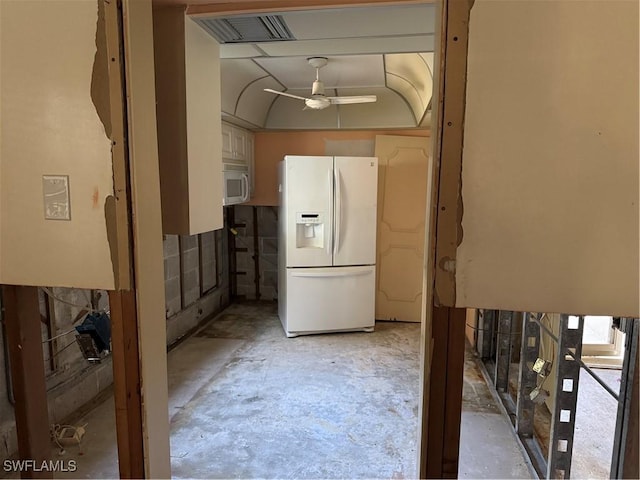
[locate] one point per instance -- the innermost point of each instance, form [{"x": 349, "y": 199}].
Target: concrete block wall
[
  {"x": 190, "y": 269},
  {"x": 172, "y": 285},
  {"x": 208, "y": 260},
  {"x": 267, "y": 232},
  {"x": 75, "y": 382}
]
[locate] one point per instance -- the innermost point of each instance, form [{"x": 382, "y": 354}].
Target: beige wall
[
  {"x": 550, "y": 167},
  {"x": 50, "y": 126},
  {"x": 187, "y": 65},
  {"x": 204, "y": 130},
  {"x": 271, "y": 147}
]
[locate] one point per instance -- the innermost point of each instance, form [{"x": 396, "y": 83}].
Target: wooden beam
[
  {"x": 126, "y": 383},
  {"x": 631, "y": 466},
  {"x": 226, "y": 8},
  {"x": 453, "y": 392},
  {"x": 24, "y": 339},
  {"x": 431, "y": 466},
  {"x": 442, "y": 445},
  {"x": 449, "y": 138}
]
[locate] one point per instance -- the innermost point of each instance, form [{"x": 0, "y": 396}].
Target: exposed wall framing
[
  {"x": 24, "y": 340},
  {"x": 256, "y": 252},
  {"x": 552, "y": 460}
]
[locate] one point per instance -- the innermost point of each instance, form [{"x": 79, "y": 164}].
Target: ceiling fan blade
[
  {"x": 277, "y": 92},
  {"x": 354, "y": 99}
]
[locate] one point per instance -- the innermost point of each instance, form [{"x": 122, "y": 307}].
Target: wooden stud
[
  {"x": 24, "y": 339},
  {"x": 218, "y": 259},
  {"x": 441, "y": 448},
  {"x": 200, "y": 266},
  {"x": 256, "y": 253},
  {"x": 631, "y": 465},
  {"x": 181, "y": 258},
  {"x": 431, "y": 464},
  {"x": 126, "y": 382},
  {"x": 449, "y": 137},
  {"x": 233, "y": 282},
  {"x": 49, "y": 316},
  {"x": 453, "y": 393}
]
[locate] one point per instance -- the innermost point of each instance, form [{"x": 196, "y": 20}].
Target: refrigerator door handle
[
  {"x": 310, "y": 274},
  {"x": 338, "y": 214},
  {"x": 329, "y": 233}
]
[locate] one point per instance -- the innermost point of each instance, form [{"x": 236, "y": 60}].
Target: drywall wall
[
  {"x": 550, "y": 166},
  {"x": 271, "y": 147},
  {"x": 50, "y": 127}
]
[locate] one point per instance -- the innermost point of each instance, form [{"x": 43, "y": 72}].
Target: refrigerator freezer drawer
[{"x": 329, "y": 299}]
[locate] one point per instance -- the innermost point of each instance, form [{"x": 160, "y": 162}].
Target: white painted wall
[
  {"x": 50, "y": 126},
  {"x": 550, "y": 166}
]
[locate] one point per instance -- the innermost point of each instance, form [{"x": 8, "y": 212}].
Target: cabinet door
[
  {"x": 239, "y": 145},
  {"x": 227, "y": 141}
]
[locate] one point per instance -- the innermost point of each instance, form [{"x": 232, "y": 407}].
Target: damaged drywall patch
[
  {"x": 102, "y": 103},
  {"x": 107, "y": 94},
  {"x": 100, "y": 74}
]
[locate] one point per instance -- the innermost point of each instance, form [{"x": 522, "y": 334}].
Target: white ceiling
[
  {"x": 348, "y": 31},
  {"x": 355, "y": 40},
  {"x": 340, "y": 71}
]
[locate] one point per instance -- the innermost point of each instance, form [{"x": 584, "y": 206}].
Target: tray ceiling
[{"x": 365, "y": 47}]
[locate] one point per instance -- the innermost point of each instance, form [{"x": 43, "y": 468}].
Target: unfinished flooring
[
  {"x": 488, "y": 444},
  {"x": 247, "y": 402}
]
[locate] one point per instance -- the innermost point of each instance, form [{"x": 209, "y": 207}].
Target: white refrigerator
[{"x": 327, "y": 244}]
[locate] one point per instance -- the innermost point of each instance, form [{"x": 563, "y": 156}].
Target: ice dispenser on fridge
[{"x": 309, "y": 230}]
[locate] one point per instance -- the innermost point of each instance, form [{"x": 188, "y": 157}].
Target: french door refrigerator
[{"x": 327, "y": 244}]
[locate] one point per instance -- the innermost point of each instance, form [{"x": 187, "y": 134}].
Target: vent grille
[{"x": 247, "y": 29}]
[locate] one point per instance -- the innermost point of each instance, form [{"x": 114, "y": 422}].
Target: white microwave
[{"x": 236, "y": 184}]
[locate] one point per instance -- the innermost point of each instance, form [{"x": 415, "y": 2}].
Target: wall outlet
[{"x": 55, "y": 191}]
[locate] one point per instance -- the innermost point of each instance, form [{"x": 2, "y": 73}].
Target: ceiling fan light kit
[{"x": 318, "y": 99}]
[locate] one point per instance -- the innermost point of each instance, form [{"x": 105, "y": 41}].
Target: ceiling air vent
[{"x": 267, "y": 28}]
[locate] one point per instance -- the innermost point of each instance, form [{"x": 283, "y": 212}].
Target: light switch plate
[{"x": 55, "y": 190}]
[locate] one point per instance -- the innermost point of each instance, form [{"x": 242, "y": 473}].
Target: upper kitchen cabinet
[
  {"x": 235, "y": 144},
  {"x": 238, "y": 159},
  {"x": 187, "y": 64}
]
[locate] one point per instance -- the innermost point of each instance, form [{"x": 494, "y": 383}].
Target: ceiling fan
[{"x": 318, "y": 99}]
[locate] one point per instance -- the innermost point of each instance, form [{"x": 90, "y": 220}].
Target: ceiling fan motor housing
[
  {"x": 317, "y": 102},
  {"x": 317, "y": 88}
]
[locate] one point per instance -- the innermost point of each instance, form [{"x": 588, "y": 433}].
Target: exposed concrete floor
[
  {"x": 595, "y": 425},
  {"x": 488, "y": 444},
  {"x": 324, "y": 406},
  {"x": 247, "y": 402}
]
